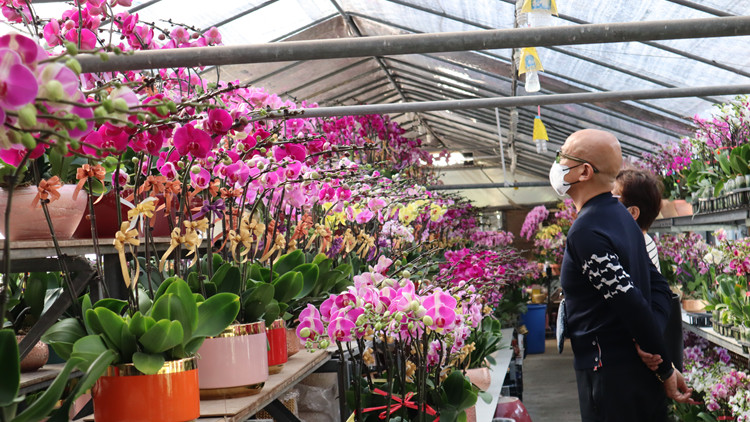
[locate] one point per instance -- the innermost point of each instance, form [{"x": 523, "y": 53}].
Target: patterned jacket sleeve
[{"x": 601, "y": 266}]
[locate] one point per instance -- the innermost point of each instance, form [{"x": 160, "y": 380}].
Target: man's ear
[{"x": 634, "y": 211}]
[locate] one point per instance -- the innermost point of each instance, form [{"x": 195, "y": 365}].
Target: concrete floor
[{"x": 549, "y": 385}]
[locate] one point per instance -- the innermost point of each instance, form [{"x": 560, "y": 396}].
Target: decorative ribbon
[
  {"x": 217, "y": 208},
  {"x": 197, "y": 225},
  {"x": 350, "y": 242},
  {"x": 171, "y": 188},
  {"x": 191, "y": 240},
  {"x": 126, "y": 236},
  {"x": 303, "y": 227},
  {"x": 256, "y": 228},
  {"x": 84, "y": 172},
  {"x": 213, "y": 188},
  {"x": 278, "y": 244},
  {"x": 227, "y": 193},
  {"x": 368, "y": 242},
  {"x": 154, "y": 184},
  {"x": 47, "y": 191},
  {"x": 405, "y": 402},
  {"x": 325, "y": 236},
  {"x": 244, "y": 238},
  {"x": 267, "y": 237},
  {"x": 139, "y": 212},
  {"x": 291, "y": 246}
]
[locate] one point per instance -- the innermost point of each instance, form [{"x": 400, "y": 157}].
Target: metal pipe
[
  {"x": 489, "y": 186},
  {"x": 529, "y": 100},
  {"x": 500, "y": 141},
  {"x": 421, "y": 43}
]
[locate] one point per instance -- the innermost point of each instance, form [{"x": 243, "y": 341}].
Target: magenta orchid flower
[
  {"x": 14, "y": 155},
  {"x": 310, "y": 318},
  {"x": 201, "y": 179},
  {"x": 294, "y": 151},
  {"x": 441, "y": 308},
  {"x": 219, "y": 121},
  {"x": 189, "y": 140},
  {"x": 18, "y": 85},
  {"x": 88, "y": 38},
  {"x": 213, "y": 36},
  {"x": 180, "y": 35},
  {"x": 340, "y": 329},
  {"x": 364, "y": 216},
  {"x": 122, "y": 178},
  {"x": 31, "y": 52}
]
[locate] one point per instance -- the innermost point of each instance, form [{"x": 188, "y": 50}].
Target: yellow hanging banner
[
  {"x": 539, "y": 6},
  {"x": 540, "y": 132},
  {"x": 529, "y": 61}
]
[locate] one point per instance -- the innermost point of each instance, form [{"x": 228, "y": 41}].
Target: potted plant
[{"x": 155, "y": 348}]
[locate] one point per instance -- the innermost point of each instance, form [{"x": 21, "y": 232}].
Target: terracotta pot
[
  {"x": 234, "y": 363},
  {"x": 30, "y": 224},
  {"x": 292, "y": 342},
  {"x": 36, "y": 358},
  {"x": 482, "y": 379},
  {"x": 124, "y": 394},
  {"x": 277, "y": 355},
  {"x": 683, "y": 207},
  {"x": 105, "y": 212},
  {"x": 694, "y": 305},
  {"x": 668, "y": 209}
]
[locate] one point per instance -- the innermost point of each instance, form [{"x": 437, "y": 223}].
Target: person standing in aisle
[
  {"x": 607, "y": 277},
  {"x": 640, "y": 192}
]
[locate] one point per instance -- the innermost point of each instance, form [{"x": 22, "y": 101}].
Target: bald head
[{"x": 600, "y": 148}]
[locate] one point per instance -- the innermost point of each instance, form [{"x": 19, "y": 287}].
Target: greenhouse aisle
[{"x": 549, "y": 385}]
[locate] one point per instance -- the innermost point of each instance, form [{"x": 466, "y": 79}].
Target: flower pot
[
  {"x": 234, "y": 363},
  {"x": 292, "y": 342},
  {"x": 124, "y": 394},
  {"x": 480, "y": 377},
  {"x": 29, "y": 223},
  {"x": 668, "y": 209},
  {"x": 277, "y": 355},
  {"x": 36, "y": 358},
  {"x": 105, "y": 212},
  {"x": 683, "y": 207},
  {"x": 694, "y": 305}
]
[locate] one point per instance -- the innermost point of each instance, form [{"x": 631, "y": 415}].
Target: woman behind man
[{"x": 640, "y": 192}]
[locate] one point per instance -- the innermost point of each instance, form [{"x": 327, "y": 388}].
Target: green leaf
[
  {"x": 271, "y": 313},
  {"x": 128, "y": 343},
  {"x": 487, "y": 397},
  {"x": 9, "y": 366},
  {"x": 170, "y": 307},
  {"x": 112, "y": 324},
  {"x": 36, "y": 288},
  {"x": 310, "y": 274},
  {"x": 148, "y": 363},
  {"x": 97, "y": 368},
  {"x": 286, "y": 262},
  {"x": 139, "y": 324},
  {"x": 164, "y": 286},
  {"x": 87, "y": 349},
  {"x": 453, "y": 385},
  {"x": 288, "y": 286},
  {"x": 724, "y": 164},
  {"x": 63, "y": 335},
  {"x": 227, "y": 279},
  {"x": 215, "y": 314},
  {"x": 163, "y": 336},
  {"x": 718, "y": 187},
  {"x": 41, "y": 407},
  {"x": 255, "y": 272},
  {"x": 114, "y": 305}
]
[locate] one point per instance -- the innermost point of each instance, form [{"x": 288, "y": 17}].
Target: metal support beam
[
  {"x": 488, "y": 186},
  {"x": 529, "y": 100},
  {"x": 421, "y": 43},
  {"x": 702, "y": 8}
]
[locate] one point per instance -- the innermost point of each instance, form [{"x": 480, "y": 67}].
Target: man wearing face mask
[{"x": 613, "y": 292}]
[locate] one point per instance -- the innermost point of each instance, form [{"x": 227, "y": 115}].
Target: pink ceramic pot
[
  {"x": 29, "y": 223},
  {"x": 480, "y": 377},
  {"x": 234, "y": 363}
]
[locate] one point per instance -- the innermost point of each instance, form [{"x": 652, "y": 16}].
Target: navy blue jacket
[{"x": 613, "y": 292}]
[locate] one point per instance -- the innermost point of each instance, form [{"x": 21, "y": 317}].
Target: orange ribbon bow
[
  {"x": 47, "y": 191},
  {"x": 82, "y": 174}
]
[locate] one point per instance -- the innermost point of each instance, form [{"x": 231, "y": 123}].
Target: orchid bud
[
  {"x": 74, "y": 144},
  {"x": 71, "y": 48},
  {"x": 13, "y": 136},
  {"x": 414, "y": 305},
  {"x": 27, "y": 116},
  {"x": 405, "y": 274},
  {"x": 117, "y": 50},
  {"x": 315, "y": 175},
  {"x": 121, "y": 105},
  {"x": 411, "y": 326},
  {"x": 427, "y": 320},
  {"x": 162, "y": 110},
  {"x": 263, "y": 150},
  {"x": 134, "y": 160},
  {"x": 398, "y": 316},
  {"x": 210, "y": 159},
  {"x": 54, "y": 90},
  {"x": 74, "y": 65},
  {"x": 81, "y": 124},
  {"x": 100, "y": 113},
  {"x": 304, "y": 332},
  {"x": 196, "y": 169},
  {"x": 108, "y": 105},
  {"x": 103, "y": 56},
  {"x": 227, "y": 161},
  {"x": 378, "y": 326},
  {"x": 421, "y": 311},
  {"x": 387, "y": 313},
  {"x": 360, "y": 320},
  {"x": 28, "y": 141},
  {"x": 172, "y": 106},
  {"x": 261, "y": 166},
  {"x": 180, "y": 165},
  {"x": 420, "y": 273},
  {"x": 240, "y": 147},
  {"x": 324, "y": 344}
]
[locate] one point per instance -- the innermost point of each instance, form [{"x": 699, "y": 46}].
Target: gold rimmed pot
[{"x": 277, "y": 353}]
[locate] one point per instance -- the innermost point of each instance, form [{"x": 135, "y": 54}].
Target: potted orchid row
[{"x": 548, "y": 231}]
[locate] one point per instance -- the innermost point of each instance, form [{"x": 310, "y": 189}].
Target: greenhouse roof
[{"x": 640, "y": 125}]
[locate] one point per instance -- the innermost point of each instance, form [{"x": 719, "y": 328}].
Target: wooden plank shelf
[
  {"x": 295, "y": 370},
  {"x": 42, "y": 377}
]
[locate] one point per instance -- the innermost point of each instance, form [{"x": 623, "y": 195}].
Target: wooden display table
[
  {"x": 295, "y": 370},
  {"x": 42, "y": 377}
]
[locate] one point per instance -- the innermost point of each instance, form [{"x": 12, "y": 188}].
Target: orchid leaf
[
  {"x": 288, "y": 286},
  {"x": 9, "y": 359},
  {"x": 310, "y": 274},
  {"x": 289, "y": 261},
  {"x": 148, "y": 363},
  {"x": 215, "y": 314},
  {"x": 163, "y": 336},
  {"x": 63, "y": 335}
]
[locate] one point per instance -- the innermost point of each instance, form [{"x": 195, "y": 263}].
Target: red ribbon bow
[{"x": 405, "y": 402}]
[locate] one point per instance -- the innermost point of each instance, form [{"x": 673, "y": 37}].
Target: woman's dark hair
[{"x": 641, "y": 189}]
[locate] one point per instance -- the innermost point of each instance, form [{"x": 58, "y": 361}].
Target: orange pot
[{"x": 124, "y": 394}]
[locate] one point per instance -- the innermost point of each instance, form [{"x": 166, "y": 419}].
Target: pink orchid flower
[
  {"x": 200, "y": 180},
  {"x": 52, "y": 34},
  {"x": 213, "y": 36},
  {"x": 169, "y": 171},
  {"x": 310, "y": 318},
  {"x": 180, "y": 35},
  {"x": 340, "y": 329},
  {"x": 189, "y": 140},
  {"x": 122, "y": 178},
  {"x": 294, "y": 151},
  {"x": 219, "y": 121},
  {"x": 88, "y": 38},
  {"x": 364, "y": 216},
  {"x": 18, "y": 85},
  {"x": 14, "y": 155}
]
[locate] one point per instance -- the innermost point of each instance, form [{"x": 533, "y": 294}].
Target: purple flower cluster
[
  {"x": 533, "y": 221},
  {"x": 492, "y": 239}
]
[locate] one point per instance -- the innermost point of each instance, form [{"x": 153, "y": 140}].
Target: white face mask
[{"x": 557, "y": 178}]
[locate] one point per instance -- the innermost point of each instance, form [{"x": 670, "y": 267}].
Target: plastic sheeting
[{"x": 640, "y": 125}]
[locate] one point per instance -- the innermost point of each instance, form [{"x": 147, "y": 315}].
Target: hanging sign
[
  {"x": 540, "y": 6},
  {"x": 529, "y": 61}
]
